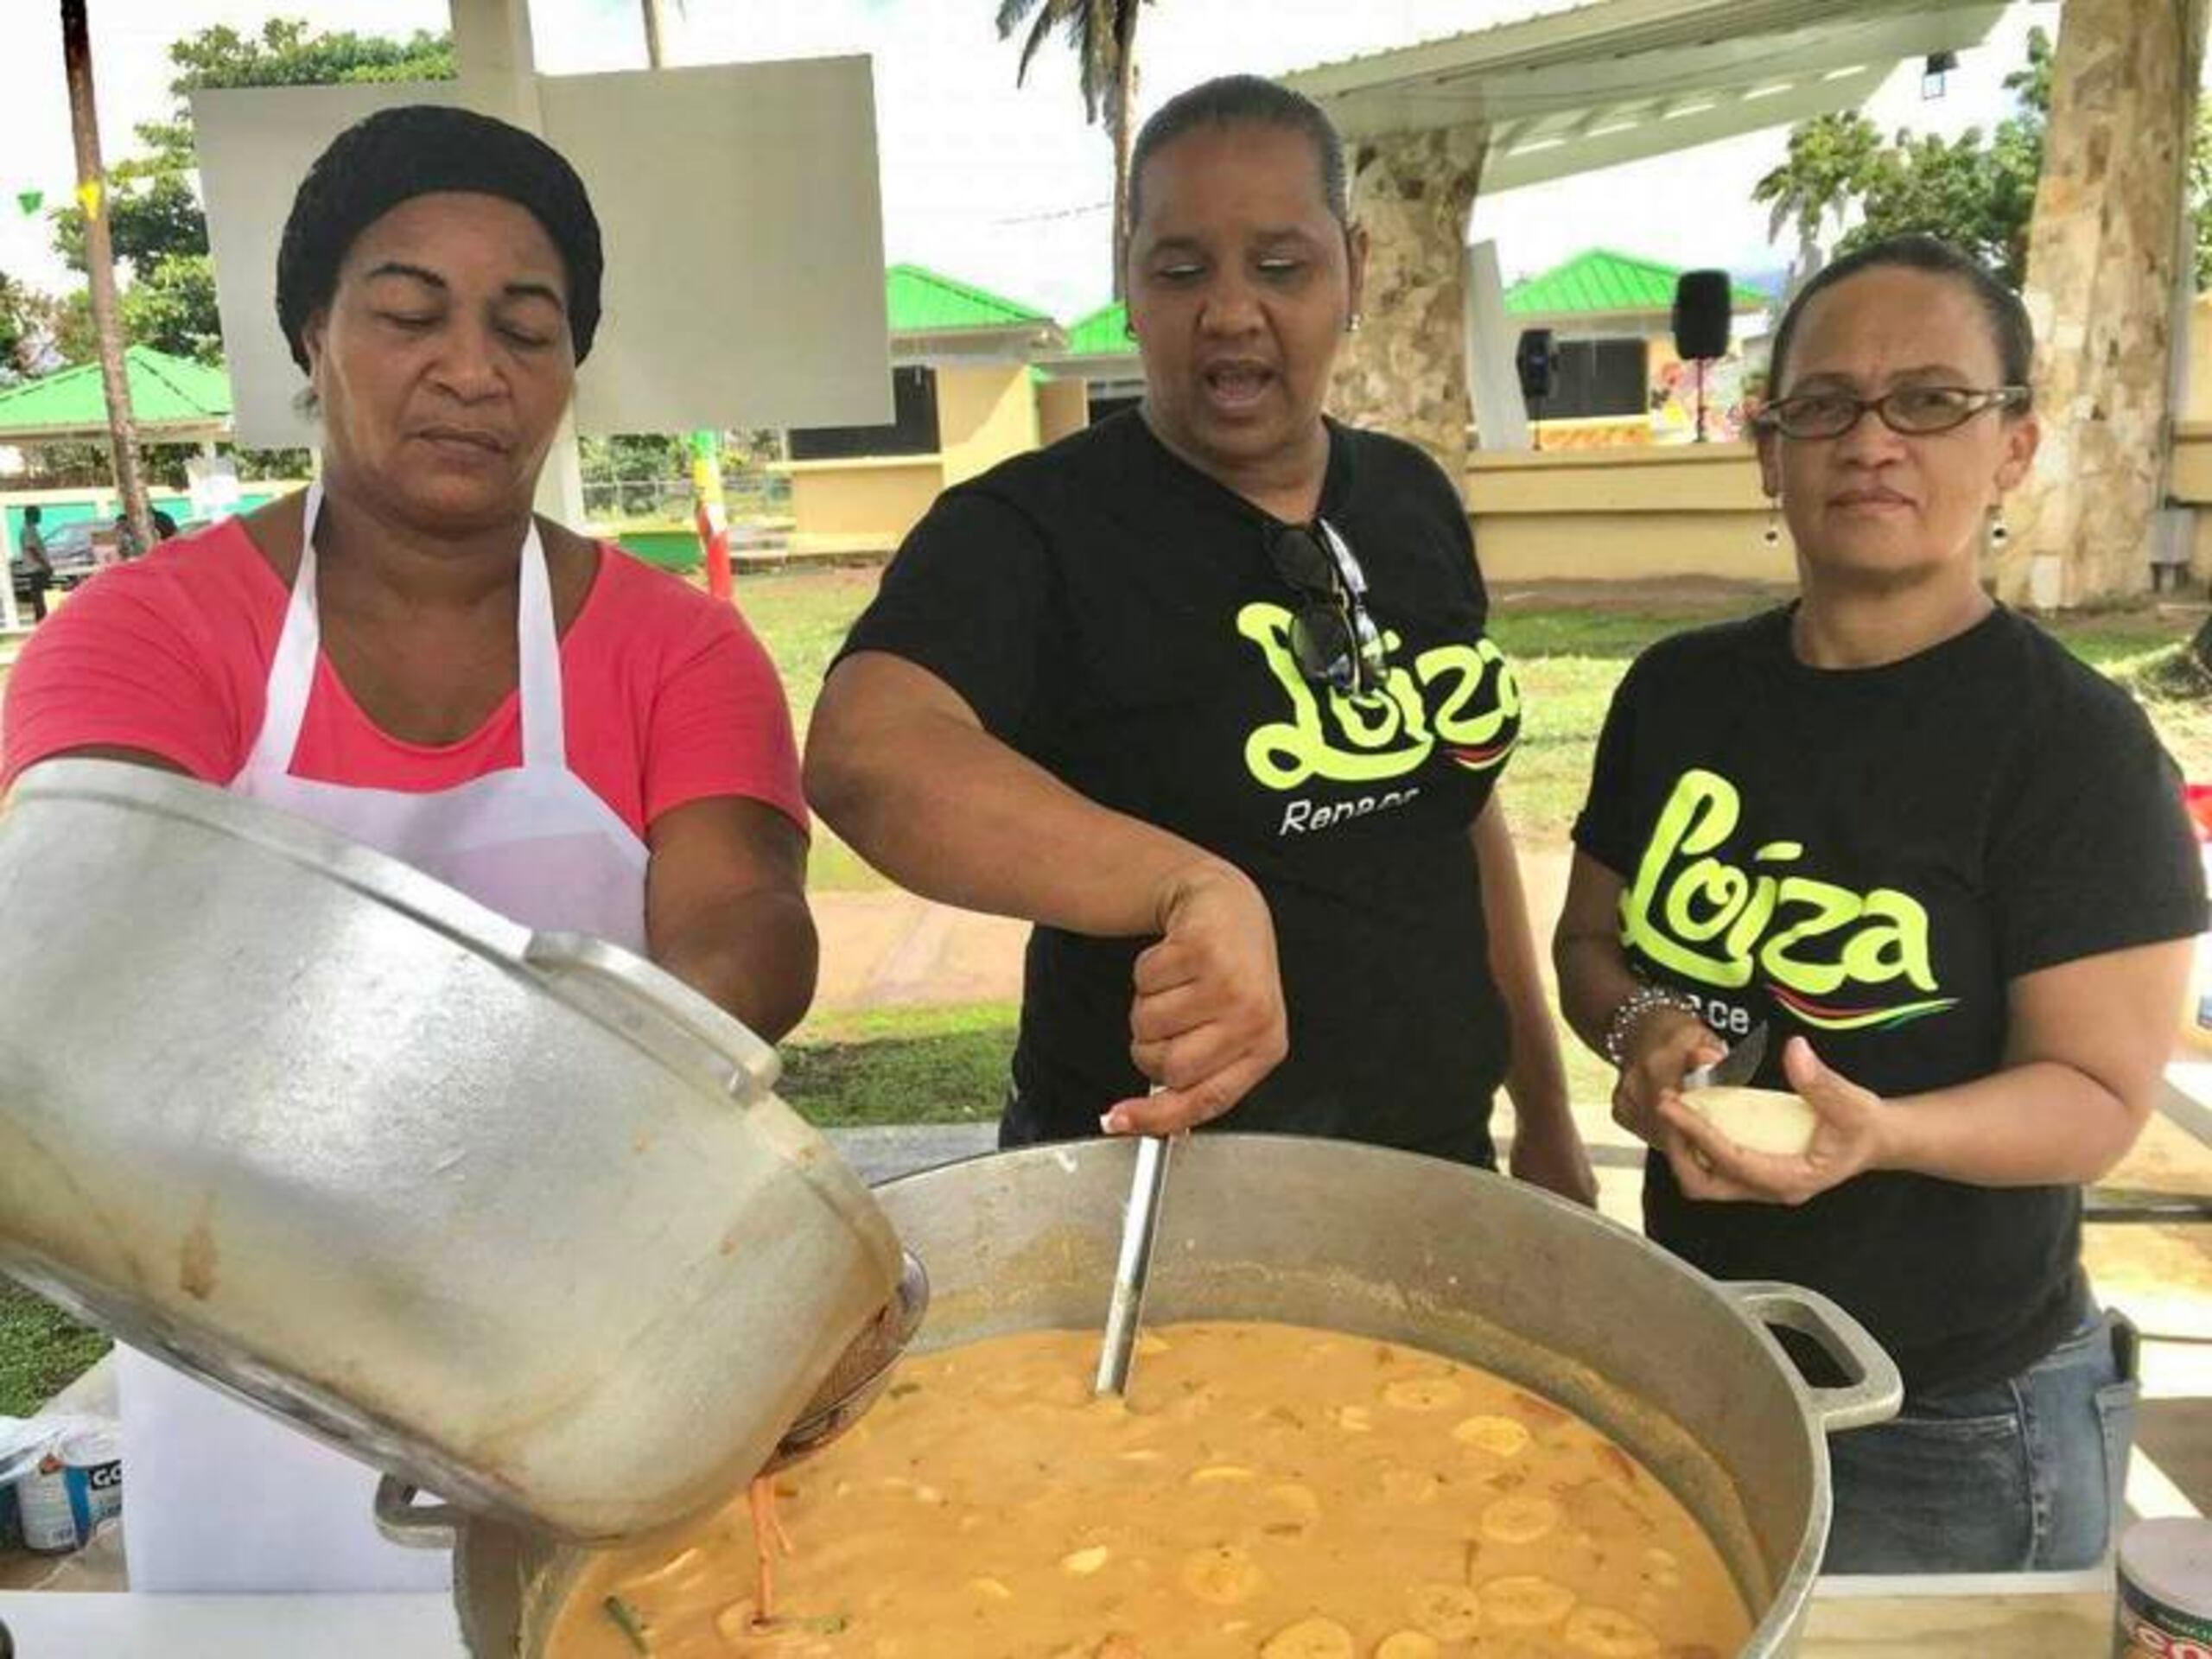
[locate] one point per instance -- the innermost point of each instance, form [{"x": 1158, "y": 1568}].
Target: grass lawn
[
  {"x": 901, "y": 1065},
  {"x": 802, "y": 616},
  {"x": 41, "y": 1349},
  {"x": 948, "y": 1065},
  {"x": 1570, "y": 648}
]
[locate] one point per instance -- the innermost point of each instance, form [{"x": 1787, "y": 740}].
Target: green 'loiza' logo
[
  {"x": 1462, "y": 698},
  {"x": 1721, "y": 924}
]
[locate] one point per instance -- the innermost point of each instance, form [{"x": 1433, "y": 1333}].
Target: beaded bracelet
[{"x": 1638, "y": 1002}]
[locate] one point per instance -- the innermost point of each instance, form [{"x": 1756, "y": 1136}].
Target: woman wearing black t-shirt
[
  {"x": 1902, "y": 827},
  {"x": 1205, "y": 692}
]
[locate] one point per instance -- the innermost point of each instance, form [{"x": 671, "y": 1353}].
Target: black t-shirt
[
  {"x": 1112, "y": 613},
  {"x": 1866, "y": 858}
]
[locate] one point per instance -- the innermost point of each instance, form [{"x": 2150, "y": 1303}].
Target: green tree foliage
[
  {"x": 1831, "y": 158},
  {"x": 1977, "y": 190},
  {"x": 22, "y": 313},
  {"x": 154, "y": 216},
  {"x": 172, "y": 309}
]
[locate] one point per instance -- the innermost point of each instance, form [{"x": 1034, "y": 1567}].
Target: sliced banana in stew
[
  {"x": 1502, "y": 1437},
  {"x": 1519, "y": 1519},
  {"x": 1607, "y": 1634},
  {"x": 1450, "y": 1612},
  {"x": 1524, "y": 1600},
  {"x": 1423, "y": 1394},
  {"x": 1223, "y": 1575},
  {"x": 1310, "y": 1638}
]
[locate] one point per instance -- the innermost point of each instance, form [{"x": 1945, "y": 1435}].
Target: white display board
[{"x": 741, "y": 211}]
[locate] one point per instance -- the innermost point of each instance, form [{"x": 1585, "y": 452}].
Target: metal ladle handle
[{"x": 1139, "y": 1229}]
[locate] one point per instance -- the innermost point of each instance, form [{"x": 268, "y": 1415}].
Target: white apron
[{"x": 220, "y": 1496}]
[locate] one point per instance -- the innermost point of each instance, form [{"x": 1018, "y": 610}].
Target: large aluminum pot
[
  {"x": 1677, "y": 1367},
  {"x": 502, "y": 1212}
]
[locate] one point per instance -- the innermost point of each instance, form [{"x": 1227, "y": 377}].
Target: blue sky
[{"x": 1002, "y": 186}]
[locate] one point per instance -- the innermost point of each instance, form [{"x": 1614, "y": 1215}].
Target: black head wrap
[{"x": 398, "y": 154}]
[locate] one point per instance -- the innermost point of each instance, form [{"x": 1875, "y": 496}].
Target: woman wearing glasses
[
  {"x": 1203, "y": 691},
  {"x": 1945, "y": 865}
]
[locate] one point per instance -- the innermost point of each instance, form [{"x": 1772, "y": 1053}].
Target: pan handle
[
  {"x": 654, "y": 1009},
  {"x": 1875, "y": 1389},
  {"x": 417, "y": 1526}
]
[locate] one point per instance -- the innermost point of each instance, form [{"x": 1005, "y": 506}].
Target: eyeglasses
[
  {"x": 1332, "y": 639},
  {"x": 1915, "y": 411}
]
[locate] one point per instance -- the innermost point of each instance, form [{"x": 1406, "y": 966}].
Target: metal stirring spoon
[{"x": 1139, "y": 1228}]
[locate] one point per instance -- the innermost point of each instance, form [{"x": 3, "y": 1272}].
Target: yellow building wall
[
  {"x": 2190, "y": 484},
  {"x": 985, "y": 412},
  {"x": 1623, "y": 515},
  {"x": 862, "y": 506},
  {"x": 2198, "y": 406},
  {"x": 1063, "y": 409}
]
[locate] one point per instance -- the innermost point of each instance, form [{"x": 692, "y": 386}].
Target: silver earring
[
  {"x": 1351, "y": 323},
  {"x": 1998, "y": 532},
  {"x": 1773, "y": 536}
]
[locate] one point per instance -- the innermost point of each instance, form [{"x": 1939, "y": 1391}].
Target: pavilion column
[
  {"x": 2104, "y": 258},
  {"x": 1405, "y": 371}
]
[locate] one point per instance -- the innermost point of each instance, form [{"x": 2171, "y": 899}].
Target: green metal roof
[
  {"x": 1598, "y": 280},
  {"x": 1104, "y": 332},
  {"x": 166, "y": 391},
  {"x": 923, "y": 302}
]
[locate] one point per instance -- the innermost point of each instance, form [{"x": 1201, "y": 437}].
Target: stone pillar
[
  {"x": 2105, "y": 253},
  {"x": 1405, "y": 371}
]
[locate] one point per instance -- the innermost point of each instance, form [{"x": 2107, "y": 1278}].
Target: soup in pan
[{"x": 1266, "y": 1489}]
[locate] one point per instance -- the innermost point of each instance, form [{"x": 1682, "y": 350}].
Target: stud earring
[
  {"x": 1772, "y": 534},
  {"x": 1351, "y": 323},
  {"x": 1999, "y": 533}
]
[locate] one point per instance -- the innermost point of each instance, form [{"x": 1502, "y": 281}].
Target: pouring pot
[
  {"x": 1682, "y": 1370},
  {"x": 514, "y": 1215}
]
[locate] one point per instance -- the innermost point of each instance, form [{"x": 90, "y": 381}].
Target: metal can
[
  {"x": 93, "y": 1459},
  {"x": 2164, "y": 1608},
  {"x": 77, "y": 1484}
]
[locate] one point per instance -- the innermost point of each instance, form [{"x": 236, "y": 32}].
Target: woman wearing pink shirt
[{"x": 407, "y": 655}]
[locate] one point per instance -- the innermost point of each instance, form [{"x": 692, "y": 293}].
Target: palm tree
[
  {"x": 1105, "y": 35},
  {"x": 1833, "y": 159},
  {"x": 99, "y": 268}
]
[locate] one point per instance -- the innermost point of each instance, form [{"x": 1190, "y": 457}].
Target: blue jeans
[{"x": 2025, "y": 1474}]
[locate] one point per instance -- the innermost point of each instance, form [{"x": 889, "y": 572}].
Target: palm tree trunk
[
  {"x": 99, "y": 262},
  {"x": 1125, "y": 89}
]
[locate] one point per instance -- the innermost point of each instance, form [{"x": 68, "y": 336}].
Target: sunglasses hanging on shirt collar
[{"x": 1332, "y": 639}]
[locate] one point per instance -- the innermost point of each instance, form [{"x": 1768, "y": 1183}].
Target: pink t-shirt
[{"x": 669, "y": 698}]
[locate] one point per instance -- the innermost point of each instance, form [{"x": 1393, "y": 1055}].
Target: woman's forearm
[
  {"x": 2039, "y": 1124},
  {"x": 752, "y": 953},
  {"x": 947, "y": 810}
]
